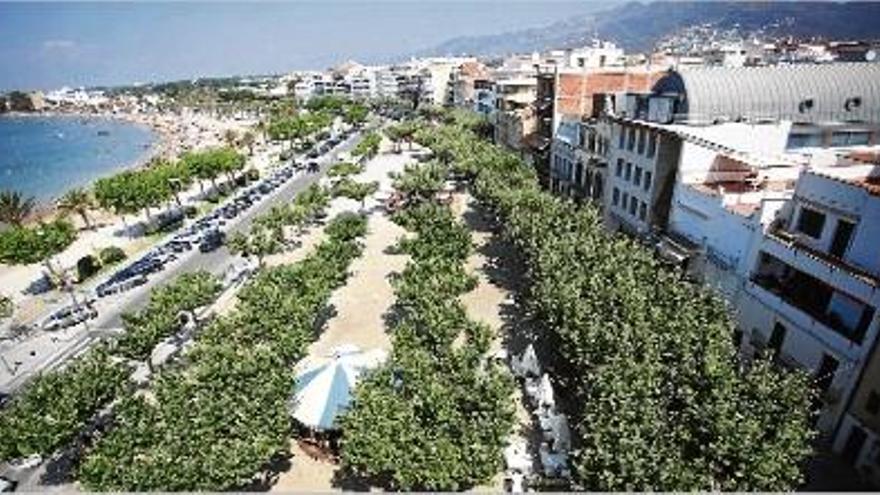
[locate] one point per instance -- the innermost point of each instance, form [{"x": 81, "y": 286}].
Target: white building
[
  {"x": 812, "y": 292},
  {"x": 765, "y": 184}
]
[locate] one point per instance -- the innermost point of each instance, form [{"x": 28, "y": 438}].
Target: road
[{"x": 46, "y": 350}]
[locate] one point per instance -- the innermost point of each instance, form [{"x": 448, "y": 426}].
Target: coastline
[
  {"x": 46, "y": 207},
  {"x": 173, "y": 134}
]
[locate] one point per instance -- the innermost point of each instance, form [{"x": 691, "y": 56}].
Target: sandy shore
[{"x": 176, "y": 134}]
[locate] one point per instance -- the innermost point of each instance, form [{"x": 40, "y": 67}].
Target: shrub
[
  {"x": 112, "y": 254},
  {"x": 87, "y": 266}
]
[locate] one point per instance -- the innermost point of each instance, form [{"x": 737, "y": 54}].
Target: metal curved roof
[{"x": 801, "y": 93}]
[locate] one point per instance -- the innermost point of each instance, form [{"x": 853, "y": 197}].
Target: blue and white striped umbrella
[{"x": 323, "y": 390}]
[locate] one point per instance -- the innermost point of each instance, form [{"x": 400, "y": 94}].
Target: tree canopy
[
  {"x": 660, "y": 399},
  {"x": 436, "y": 416},
  {"x": 218, "y": 418},
  {"x": 26, "y": 245}
]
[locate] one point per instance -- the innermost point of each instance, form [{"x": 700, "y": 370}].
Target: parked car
[
  {"x": 179, "y": 246},
  {"x": 7, "y": 485},
  {"x": 69, "y": 316},
  {"x": 112, "y": 287},
  {"x": 211, "y": 240}
]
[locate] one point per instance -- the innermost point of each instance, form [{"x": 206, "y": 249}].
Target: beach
[{"x": 174, "y": 135}]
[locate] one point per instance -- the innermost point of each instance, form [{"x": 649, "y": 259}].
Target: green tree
[
  {"x": 77, "y": 201},
  {"x": 26, "y": 245},
  {"x": 660, "y": 400},
  {"x": 436, "y": 416},
  {"x": 260, "y": 242},
  {"x": 420, "y": 183},
  {"x": 14, "y": 207},
  {"x": 247, "y": 140},
  {"x": 56, "y": 406},
  {"x": 218, "y": 418},
  {"x": 358, "y": 191},
  {"x": 344, "y": 169}
]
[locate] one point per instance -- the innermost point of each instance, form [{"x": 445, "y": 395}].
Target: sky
[{"x": 49, "y": 45}]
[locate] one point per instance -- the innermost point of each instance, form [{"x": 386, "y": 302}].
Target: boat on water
[{"x": 103, "y": 133}]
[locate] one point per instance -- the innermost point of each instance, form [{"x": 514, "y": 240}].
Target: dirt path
[
  {"x": 358, "y": 318},
  {"x": 499, "y": 276}
]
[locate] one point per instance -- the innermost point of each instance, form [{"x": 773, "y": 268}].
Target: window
[
  {"x": 637, "y": 179},
  {"x": 652, "y": 145},
  {"x": 629, "y": 170},
  {"x": 647, "y": 184},
  {"x": 631, "y": 144},
  {"x": 804, "y": 141},
  {"x": 622, "y": 137},
  {"x": 615, "y": 196},
  {"x": 643, "y": 211},
  {"x": 777, "y": 338},
  {"x": 850, "y": 138},
  {"x": 633, "y": 204},
  {"x": 619, "y": 169},
  {"x": 825, "y": 374},
  {"x": 872, "y": 405},
  {"x": 811, "y": 222},
  {"x": 737, "y": 338},
  {"x": 842, "y": 235},
  {"x": 641, "y": 141},
  {"x": 625, "y": 199}
]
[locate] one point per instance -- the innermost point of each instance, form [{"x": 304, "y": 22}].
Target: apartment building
[
  {"x": 763, "y": 183},
  {"x": 858, "y": 435},
  {"x": 463, "y": 83},
  {"x": 571, "y": 93},
  {"x": 515, "y": 116},
  {"x": 484, "y": 96},
  {"x": 812, "y": 292}
]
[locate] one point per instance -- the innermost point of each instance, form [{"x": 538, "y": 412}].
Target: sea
[{"x": 44, "y": 156}]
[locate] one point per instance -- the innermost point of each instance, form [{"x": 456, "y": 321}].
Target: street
[{"x": 43, "y": 350}]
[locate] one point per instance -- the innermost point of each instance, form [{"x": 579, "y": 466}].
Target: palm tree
[
  {"x": 14, "y": 207},
  {"x": 77, "y": 201}
]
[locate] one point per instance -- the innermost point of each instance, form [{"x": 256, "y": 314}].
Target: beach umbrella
[{"x": 323, "y": 387}]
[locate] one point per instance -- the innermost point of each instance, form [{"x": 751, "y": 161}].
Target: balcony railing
[
  {"x": 820, "y": 324},
  {"x": 793, "y": 242}
]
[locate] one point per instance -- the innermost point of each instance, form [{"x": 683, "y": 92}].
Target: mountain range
[{"x": 638, "y": 26}]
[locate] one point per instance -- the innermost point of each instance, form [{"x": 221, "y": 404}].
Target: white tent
[
  {"x": 516, "y": 456},
  {"x": 545, "y": 392},
  {"x": 555, "y": 427},
  {"x": 555, "y": 464},
  {"x": 323, "y": 389},
  {"x": 527, "y": 364}
]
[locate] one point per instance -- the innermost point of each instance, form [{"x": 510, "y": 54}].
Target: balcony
[
  {"x": 818, "y": 306},
  {"x": 788, "y": 247},
  {"x": 794, "y": 239}
]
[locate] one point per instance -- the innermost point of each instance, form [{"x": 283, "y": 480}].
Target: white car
[{"x": 69, "y": 316}]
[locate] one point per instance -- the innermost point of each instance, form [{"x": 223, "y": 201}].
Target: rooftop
[{"x": 800, "y": 92}]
